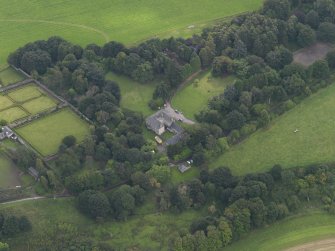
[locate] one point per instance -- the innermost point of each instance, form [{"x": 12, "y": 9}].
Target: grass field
[
  {"x": 315, "y": 225},
  {"x": 5, "y": 102},
  {"x": 10, "y": 76},
  {"x": 98, "y": 22},
  {"x": 134, "y": 96},
  {"x": 25, "y": 93},
  {"x": 195, "y": 96},
  {"x": 314, "y": 143},
  {"x": 12, "y": 114},
  {"x": 8, "y": 177},
  {"x": 146, "y": 230},
  {"x": 39, "y": 104},
  {"x": 46, "y": 134},
  {"x": 178, "y": 177}
]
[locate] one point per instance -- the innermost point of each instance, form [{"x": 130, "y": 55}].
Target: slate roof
[
  {"x": 183, "y": 168},
  {"x": 175, "y": 128},
  {"x": 158, "y": 120},
  {"x": 174, "y": 139}
]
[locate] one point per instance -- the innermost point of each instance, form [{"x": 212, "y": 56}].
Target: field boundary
[
  {"x": 60, "y": 105},
  {"x": 51, "y": 93}
]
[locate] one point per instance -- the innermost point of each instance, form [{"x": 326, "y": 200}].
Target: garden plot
[
  {"x": 39, "y": 104},
  {"x": 9, "y": 177},
  {"x": 12, "y": 114},
  {"x": 10, "y": 76},
  {"x": 24, "y": 101},
  {"x": 45, "y": 134},
  {"x": 25, "y": 93},
  {"x": 5, "y": 102}
]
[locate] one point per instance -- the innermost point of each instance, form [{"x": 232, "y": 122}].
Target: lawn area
[
  {"x": 104, "y": 20},
  {"x": 314, "y": 143},
  {"x": 134, "y": 96},
  {"x": 146, "y": 231},
  {"x": 10, "y": 76},
  {"x": 12, "y": 114},
  {"x": 46, "y": 134},
  {"x": 39, "y": 104},
  {"x": 8, "y": 173},
  {"x": 25, "y": 93},
  {"x": 5, "y": 102},
  {"x": 315, "y": 225},
  {"x": 178, "y": 177},
  {"x": 195, "y": 96}
]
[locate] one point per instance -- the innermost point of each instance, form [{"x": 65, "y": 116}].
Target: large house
[{"x": 162, "y": 121}]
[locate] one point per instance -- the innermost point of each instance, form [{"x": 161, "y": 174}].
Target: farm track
[
  {"x": 81, "y": 26},
  {"x": 323, "y": 245}
]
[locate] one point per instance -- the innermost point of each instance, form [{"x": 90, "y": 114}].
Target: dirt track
[
  {"x": 324, "y": 245},
  {"x": 309, "y": 55}
]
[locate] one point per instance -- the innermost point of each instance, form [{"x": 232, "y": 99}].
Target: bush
[
  {"x": 69, "y": 141},
  {"x": 319, "y": 69},
  {"x": 326, "y": 32},
  {"x": 331, "y": 59}
]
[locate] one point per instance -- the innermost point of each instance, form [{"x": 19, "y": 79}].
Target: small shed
[
  {"x": 33, "y": 172},
  {"x": 183, "y": 168}
]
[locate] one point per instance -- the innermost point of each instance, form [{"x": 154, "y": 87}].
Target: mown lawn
[
  {"x": 10, "y": 76},
  {"x": 315, "y": 225},
  {"x": 134, "y": 96},
  {"x": 104, "y": 20},
  {"x": 5, "y": 102},
  {"x": 46, "y": 134},
  {"x": 8, "y": 178},
  {"x": 147, "y": 230},
  {"x": 39, "y": 104},
  {"x": 195, "y": 95},
  {"x": 178, "y": 177},
  {"x": 12, "y": 114},
  {"x": 25, "y": 93},
  {"x": 314, "y": 143}
]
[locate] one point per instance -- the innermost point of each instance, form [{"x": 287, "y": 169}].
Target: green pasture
[
  {"x": 100, "y": 21},
  {"x": 12, "y": 114},
  {"x": 25, "y": 93},
  {"x": 190, "y": 174},
  {"x": 8, "y": 175},
  {"x": 134, "y": 96},
  {"x": 293, "y": 231},
  {"x": 5, "y": 102},
  {"x": 46, "y": 134},
  {"x": 10, "y": 76},
  {"x": 39, "y": 104},
  {"x": 195, "y": 95},
  {"x": 278, "y": 144},
  {"x": 147, "y": 230}
]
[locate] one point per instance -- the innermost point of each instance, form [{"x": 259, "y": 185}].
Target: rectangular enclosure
[
  {"x": 46, "y": 134},
  {"x": 10, "y": 76}
]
